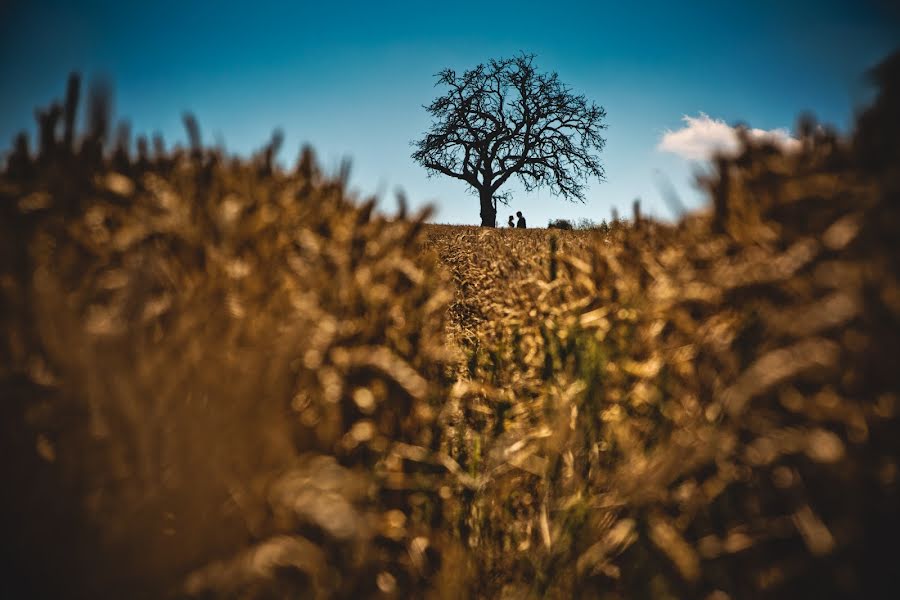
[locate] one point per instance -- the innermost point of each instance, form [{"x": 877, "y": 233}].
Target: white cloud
[{"x": 703, "y": 136}]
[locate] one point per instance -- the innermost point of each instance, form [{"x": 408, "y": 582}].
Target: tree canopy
[{"x": 505, "y": 119}]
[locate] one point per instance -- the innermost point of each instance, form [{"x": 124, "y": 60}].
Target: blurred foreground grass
[{"x": 223, "y": 379}]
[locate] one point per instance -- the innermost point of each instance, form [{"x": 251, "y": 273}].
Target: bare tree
[{"x": 503, "y": 119}]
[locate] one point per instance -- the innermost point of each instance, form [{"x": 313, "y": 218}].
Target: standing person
[
  {"x": 521, "y": 222},
  {"x": 510, "y": 222}
]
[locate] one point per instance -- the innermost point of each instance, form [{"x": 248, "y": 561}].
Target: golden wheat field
[{"x": 225, "y": 379}]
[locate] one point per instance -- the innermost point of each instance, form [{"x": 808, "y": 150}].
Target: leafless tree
[{"x": 504, "y": 118}]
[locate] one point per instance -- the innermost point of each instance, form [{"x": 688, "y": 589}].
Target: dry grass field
[{"x": 222, "y": 379}]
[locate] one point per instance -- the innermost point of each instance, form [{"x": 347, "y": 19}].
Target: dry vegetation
[{"x": 221, "y": 379}]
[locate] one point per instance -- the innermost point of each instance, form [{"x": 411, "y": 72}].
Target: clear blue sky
[{"x": 351, "y": 77}]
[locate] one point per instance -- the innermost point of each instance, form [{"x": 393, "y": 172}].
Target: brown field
[{"x": 221, "y": 379}]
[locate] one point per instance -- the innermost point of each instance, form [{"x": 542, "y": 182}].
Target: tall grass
[
  {"x": 207, "y": 359},
  {"x": 224, "y": 379}
]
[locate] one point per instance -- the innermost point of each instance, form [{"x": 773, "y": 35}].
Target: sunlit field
[{"x": 221, "y": 378}]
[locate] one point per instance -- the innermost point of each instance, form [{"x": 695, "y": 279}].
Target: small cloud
[{"x": 702, "y": 137}]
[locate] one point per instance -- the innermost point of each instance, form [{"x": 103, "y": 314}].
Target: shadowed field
[{"x": 224, "y": 379}]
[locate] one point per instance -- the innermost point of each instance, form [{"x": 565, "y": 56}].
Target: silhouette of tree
[{"x": 504, "y": 118}]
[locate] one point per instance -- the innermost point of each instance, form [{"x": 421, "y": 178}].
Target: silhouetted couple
[{"x": 520, "y": 223}]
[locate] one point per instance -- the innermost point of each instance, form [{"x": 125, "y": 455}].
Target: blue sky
[{"x": 351, "y": 78}]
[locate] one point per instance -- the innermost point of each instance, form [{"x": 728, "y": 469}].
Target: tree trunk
[{"x": 488, "y": 212}]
